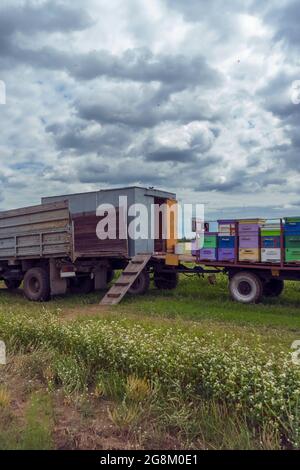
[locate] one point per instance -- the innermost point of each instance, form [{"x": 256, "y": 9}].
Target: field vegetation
[{"x": 181, "y": 369}]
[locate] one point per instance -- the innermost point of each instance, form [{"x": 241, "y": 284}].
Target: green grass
[
  {"x": 37, "y": 431},
  {"x": 195, "y": 299},
  {"x": 80, "y": 356}
]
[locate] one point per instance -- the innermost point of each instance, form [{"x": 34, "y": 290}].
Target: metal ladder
[{"x": 126, "y": 280}]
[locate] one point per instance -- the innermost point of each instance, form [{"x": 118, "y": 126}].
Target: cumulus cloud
[{"x": 194, "y": 97}]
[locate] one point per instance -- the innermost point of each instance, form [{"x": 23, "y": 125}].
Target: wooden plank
[
  {"x": 36, "y": 231},
  {"x": 52, "y": 226},
  {"x": 36, "y": 218},
  {"x": 86, "y": 240},
  {"x": 126, "y": 280},
  {"x": 34, "y": 209}
]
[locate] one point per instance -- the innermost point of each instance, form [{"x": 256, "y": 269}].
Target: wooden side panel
[
  {"x": 86, "y": 241},
  {"x": 36, "y": 231}
]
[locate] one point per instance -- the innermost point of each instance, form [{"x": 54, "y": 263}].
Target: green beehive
[
  {"x": 270, "y": 233},
  {"x": 292, "y": 255},
  {"x": 210, "y": 241},
  {"x": 292, "y": 241},
  {"x": 292, "y": 219}
]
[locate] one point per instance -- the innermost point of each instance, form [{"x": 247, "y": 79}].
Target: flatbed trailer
[{"x": 248, "y": 281}]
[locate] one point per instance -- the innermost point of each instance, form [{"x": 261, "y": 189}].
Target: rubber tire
[
  {"x": 141, "y": 285},
  {"x": 12, "y": 284},
  {"x": 110, "y": 275},
  {"x": 42, "y": 293},
  {"x": 273, "y": 288},
  {"x": 82, "y": 285},
  {"x": 254, "y": 283},
  {"x": 166, "y": 281}
]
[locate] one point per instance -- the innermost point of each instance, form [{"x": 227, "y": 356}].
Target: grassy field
[{"x": 184, "y": 368}]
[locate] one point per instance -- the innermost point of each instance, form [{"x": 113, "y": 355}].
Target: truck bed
[
  {"x": 35, "y": 232},
  {"x": 49, "y": 230}
]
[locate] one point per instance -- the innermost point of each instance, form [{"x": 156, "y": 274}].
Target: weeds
[
  {"x": 125, "y": 415},
  {"x": 4, "y": 397},
  {"x": 263, "y": 384}
]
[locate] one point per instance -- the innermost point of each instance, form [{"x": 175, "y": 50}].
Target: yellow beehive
[{"x": 249, "y": 254}]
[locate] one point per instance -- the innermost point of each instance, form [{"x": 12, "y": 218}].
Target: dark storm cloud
[
  {"x": 277, "y": 99},
  {"x": 172, "y": 154},
  {"x": 127, "y": 172},
  {"x": 140, "y": 64},
  {"x": 176, "y": 72},
  {"x": 240, "y": 181},
  {"x": 143, "y": 66},
  {"x": 78, "y": 138},
  {"x": 144, "y": 108},
  {"x": 190, "y": 155},
  {"x": 49, "y": 16},
  {"x": 183, "y": 156},
  {"x": 29, "y": 19}
]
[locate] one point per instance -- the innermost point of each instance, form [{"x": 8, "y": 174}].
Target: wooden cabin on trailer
[{"x": 83, "y": 207}]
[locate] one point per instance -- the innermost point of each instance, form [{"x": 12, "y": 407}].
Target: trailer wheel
[
  {"x": 12, "y": 284},
  {"x": 37, "y": 285},
  {"x": 165, "y": 281},
  {"x": 273, "y": 288},
  {"x": 246, "y": 287},
  {"x": 141, "y": 285},
  {"x": 82, "y": 285}
]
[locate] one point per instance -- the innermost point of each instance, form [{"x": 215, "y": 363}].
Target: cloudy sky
[{"x": 192, "y": 96}]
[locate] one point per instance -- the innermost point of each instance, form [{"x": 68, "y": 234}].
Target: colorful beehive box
[
  {"x": 210, "y": 240},
  {"x": 292, "y": 255},
  {"x": 227, "y": 227},
  {"x": 249, "y": 254},
  {"x": 251, "y": 240},
  {"x": 227, "y": 241},
  {"x": 208, "y": 254},
  {"x": 270, "y": 255},
  {"x": 248, "y": 228},
  {"x": 252, "y": 221},
  {"x": 270, "y": 242},
  {"x": 292, "y": 241},
  {"x": 292, "y": 226},
  {"x": 270, "y": 230},
  {"x": 292, "y": 220},
  {"x": 226, "y": 254}
]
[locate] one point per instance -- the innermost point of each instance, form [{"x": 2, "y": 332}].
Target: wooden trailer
[{"x": 54, "y": 246}]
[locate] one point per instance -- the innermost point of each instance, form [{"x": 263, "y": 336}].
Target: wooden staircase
[{"x": 126, "y": 280}]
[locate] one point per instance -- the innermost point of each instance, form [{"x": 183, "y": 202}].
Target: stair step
[{"x": 126, "y": 280}]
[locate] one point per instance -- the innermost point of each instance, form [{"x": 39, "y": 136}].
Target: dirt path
[{"x": 79, "y": 422}]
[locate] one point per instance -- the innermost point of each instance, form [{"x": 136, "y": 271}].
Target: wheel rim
[
  {"x": 244, "y": 288},
  {"x": 34, "y": 285}
]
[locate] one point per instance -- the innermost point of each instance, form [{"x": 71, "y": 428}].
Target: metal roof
[{"x": 112, "y": 189}]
